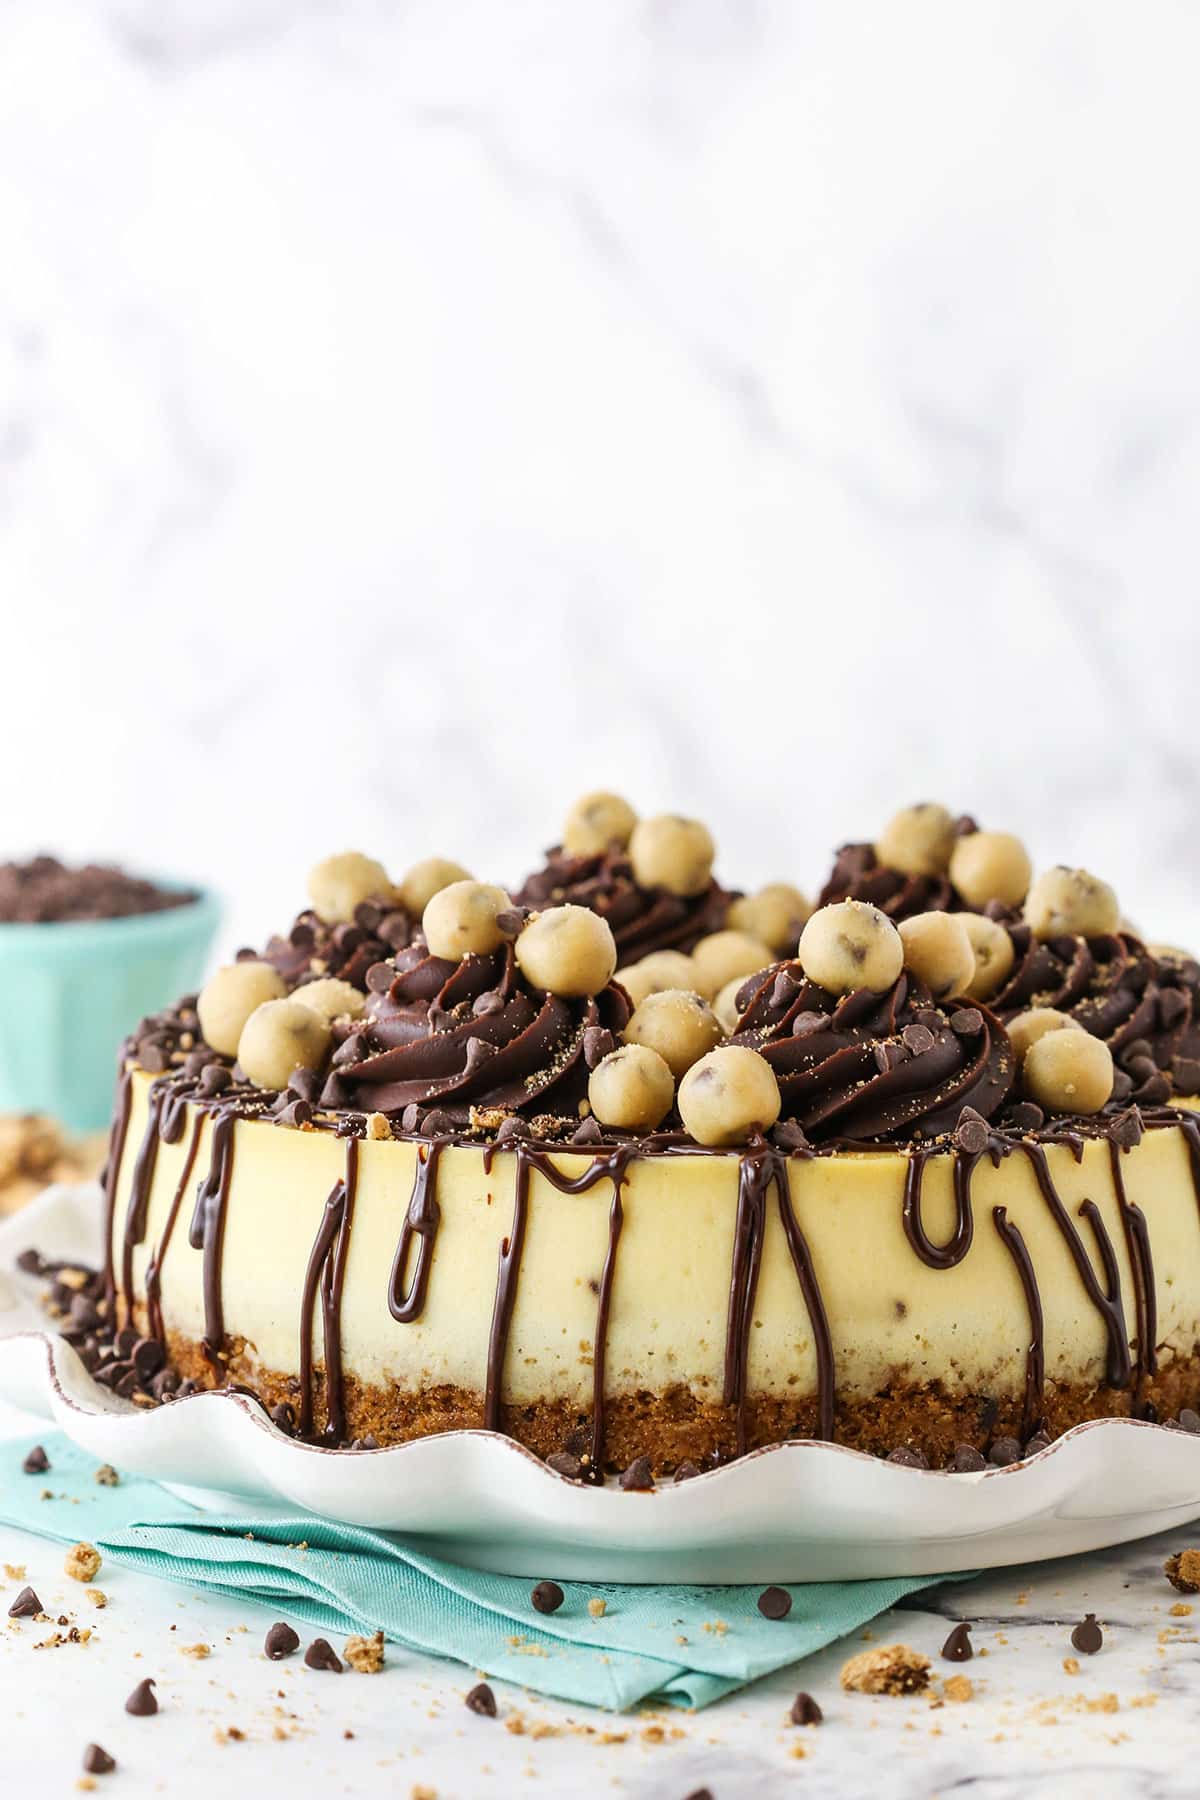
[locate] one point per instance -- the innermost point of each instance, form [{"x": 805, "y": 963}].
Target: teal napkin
[{"x": 686, "y": 1646}]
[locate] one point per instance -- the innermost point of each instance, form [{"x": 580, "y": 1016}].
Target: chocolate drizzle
[
  {"x": 207, "y": 1233},
  {"x": 757, "y": 1169},
  {"x": 951, "y": 1253},
  {"x": 112, "y": 1174},
  {"x": 1141, "y": 1263},
  {"x": 325, "y": 1277},
  {"x": 1106, "y": 1300},
  {"x": 1035, "y": 1356},
  {"x": 420, "y": 1221},
  {"x": 153, "y": 1276}
]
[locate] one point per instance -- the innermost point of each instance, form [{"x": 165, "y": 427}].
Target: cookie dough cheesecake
[{"x": 917, "y": 1175}]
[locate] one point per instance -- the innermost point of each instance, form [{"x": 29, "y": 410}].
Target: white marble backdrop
[{"x": 413, "y": 413}]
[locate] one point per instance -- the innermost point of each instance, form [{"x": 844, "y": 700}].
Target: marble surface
[
  {"x": 1121, "y": 1723},
  {"x": 410, "y": 415}
]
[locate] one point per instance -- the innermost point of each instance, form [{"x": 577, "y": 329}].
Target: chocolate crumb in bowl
[
  {"x": 142, "y": 1702},
  {"x": 280, "y": 1641},
  {"x": 958, "y": 1646},
  {"x": 322, "y": 1655},
  {"x": 774, "y": 1603},
  {"x": 482, "y": 1700},
  {"x": 805, "y": 1711},
  {"x": 46, "y": 891},
  {"x": 97, "y": 1761},
  {"x": 546, "y": 1597},
  {"x": 1087, "y": 1636}
]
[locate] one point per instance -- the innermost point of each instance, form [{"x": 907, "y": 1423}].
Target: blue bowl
[{"x": 70, "y": 993}]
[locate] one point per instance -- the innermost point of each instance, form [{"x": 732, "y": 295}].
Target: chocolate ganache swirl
[
  {"x": 314, "y": 947},
  {"x": 472, "y": 1040},
  {"x": 857, "y": 874},
  {"x": 641, "y": 919},
  {"x": 866, "y": 1066},
  {"x": 1145, "y": 1006}
]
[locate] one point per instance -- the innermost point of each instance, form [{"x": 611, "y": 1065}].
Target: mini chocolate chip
[
  {"x": 908, "y": 1458},
  {"x": 1186, "y": 1073},
  {"x": 972, "y": 1132},
  {"x": 1172, "y": 1007},
  {"x": 436, "y": 1123},
  {"x": 774, "y": 1603},
  {"x": 164, "y": 1384},
  {"x": 322, "y": 1655},
  {"x": 512, "y": 1130},
  {"x": 784, "y": 989},
  {"x": 958, "y": 1646},
  {"x": 148, "y": 1357},
  {"x": 214, "y": 1080},
  {"x": 805, "y": 1711},
  {"x": 967, "y": 1460},
  {"x": 587, "y": 1132},
  {"x": 1004, "y": 1450},
  {"x": 597, "y": 1044},
  {"x": 1036, "y": 1444},
  {"x": 563, "y": 1463},
  {"x": 806, "y": 1023},
  {"x": 281, "y": 1641},
  {"x": 37, "y": 1462},
  {"x": 639, "y": 1476},
  {"x": 687, "y": 1471},
  {"x": 481, "y": 1700},
  {"x": 887, "y": 1056},
  {"x": 510, "y": 921},
  {"x": 479, "y": 1051},
  {"x": 84, "y": 1316},
  {"x": 487, "y": 1003},
  {"x": 410, "y": 1118},
  {"x": 967, "y": 1021},
  {"x": 395, "y": 928},
  {"x": 546, "y": 1597},
  {"x": 97, "y": 1761},
  {"x": 301, "y": 936},
  {"x": 31, "y": 1262},
  {"x": 1087, "y": 1636},
  {"x": 356, "y": 1047},
  {"x": 142, "y": 1703},
  {"x": 380, "y": 977},
  {"x": 26, "y": 1605},
  {"x": 1026, "y": 1116},
  {"x": 284, "y": 1416},
  {"x": 918, "y": 1039},
  {"x": 1122, "y": 1086},
  {"x": 789, "y": 1136}
]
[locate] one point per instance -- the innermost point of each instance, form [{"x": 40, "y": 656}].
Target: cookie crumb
[
  {"x": 199, "y": 1651},
  {"x": 82, "y": 1562},
  {"x": 1071, "y": 1665},
  {"x": 1183, "y": 1571},
  {"x": 106, "y": 1476},
  {"x": 958, "y": 1687},
  {"x": 597, "y": 1607},
  {"x": 892, "y": 1669},
  {"x": 365, "y": 1654}
]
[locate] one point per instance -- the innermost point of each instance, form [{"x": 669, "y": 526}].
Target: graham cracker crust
[{"x": 673, "y": 1426}]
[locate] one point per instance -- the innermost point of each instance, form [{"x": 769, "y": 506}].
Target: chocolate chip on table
[
  {"x": 563, "y": 1463},
  {"x": 907, "y": 1457},
  {"x": 639, "y": 1476},
  {"x": 280, "y": 1641},
  {"x": 546, "y": 1597},
  {"x": 481, "y": 1700},
  {"x": 687, "y": 1471},
  {"x": 774, "y": 1603},
  {"x": 97, "y": 1761},
  {"x": 805, "y": 1711},
  {"x": 26, "y": 1605},
  {"x": 958, "y": 1646},
  {"x": 322, "y": 1655},
  {"x": 1087, "y": 1636},
  {"x": 967, "y": 1460},
  {"x": 37, "y": 1462},
  {"x": 1004, "y": 1450},
  {"x": 141, "y": 1703}
]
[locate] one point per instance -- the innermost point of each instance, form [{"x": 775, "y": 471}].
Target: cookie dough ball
[
  {"x": 774, "y": 915},
  {"x": 672, "y": 853},
  {"x": 567, "y": 950},
  {"x": 655, "y": 973},
  {"x": 1028, "y": 1028},
  {"x": 725, "y": 1005},
  {"x": 851, "y": 945},
  {"x": 460, "y": 920},
  {"x": 728, "y": 1094},
  {"x": 279, "y": 1037},
  {"x": 340, "y": 884},
  {"x": 597, "y": 821},
  {"x": 425, "y": 879},
  {"x": 990, "y": 865},
  {"x": 1071, "y": 903},
  {"x": 937, "y": 950},
  {"x": 680, "y": 1026},
  {"x": 331, "y": 998},
  {"x": 918, "y": 840},
  {"x": 724, "y": 954},
  {"x": 632, "y": 1089},
  {"x": 230, "y": 996},
  {"x": 1068, "y": 1072},
  {"x": 993, "y": 951}
]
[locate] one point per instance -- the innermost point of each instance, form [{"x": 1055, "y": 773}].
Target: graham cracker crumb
[
  {"x": 97, "y": 1596},
  {"x": 1183, "y": 1571},
  {"x": 199, "y": 1651},
  {"x": 365, "y": 1654},
  {"x": 15, "y": 1571},
  {"x": 1181, "y": 1610},
  {"x": 892, "y": 1669},
  {"x": 1071, "y": 1665},
  {"x": 958, "y": 1687},
  {"x": 82, "y": 1562},
  {"x": 106, "y": 1476},
  {"x": 597, "y": 1607}
]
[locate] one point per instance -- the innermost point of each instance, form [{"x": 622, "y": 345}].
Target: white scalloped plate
[{"x": 794, "y": 1512}]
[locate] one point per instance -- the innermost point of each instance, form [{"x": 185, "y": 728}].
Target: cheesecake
[{"x": 919, "y": 1179}]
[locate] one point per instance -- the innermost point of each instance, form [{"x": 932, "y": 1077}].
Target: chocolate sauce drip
[
  {"x": 112, "y": 1173},
  {"x": 1106, "y": 1300},
  {"x": 507, "y": 1273},
  {"x": 1190, "y": 1126},
  {"x": 810, "y": 1288},
  {"x": 153, "y": 1277},
  {"x": 325, "y": 1277},
  {"x": 1034, "y": 1406},
  {"x": 420, "y": 1221},
  {"x": 207, "y": 1232},
  {"x": 1141, "y": 1263},
  {"x": 756, "y": 1171},
  {"x": 951, "y": 1253}
]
